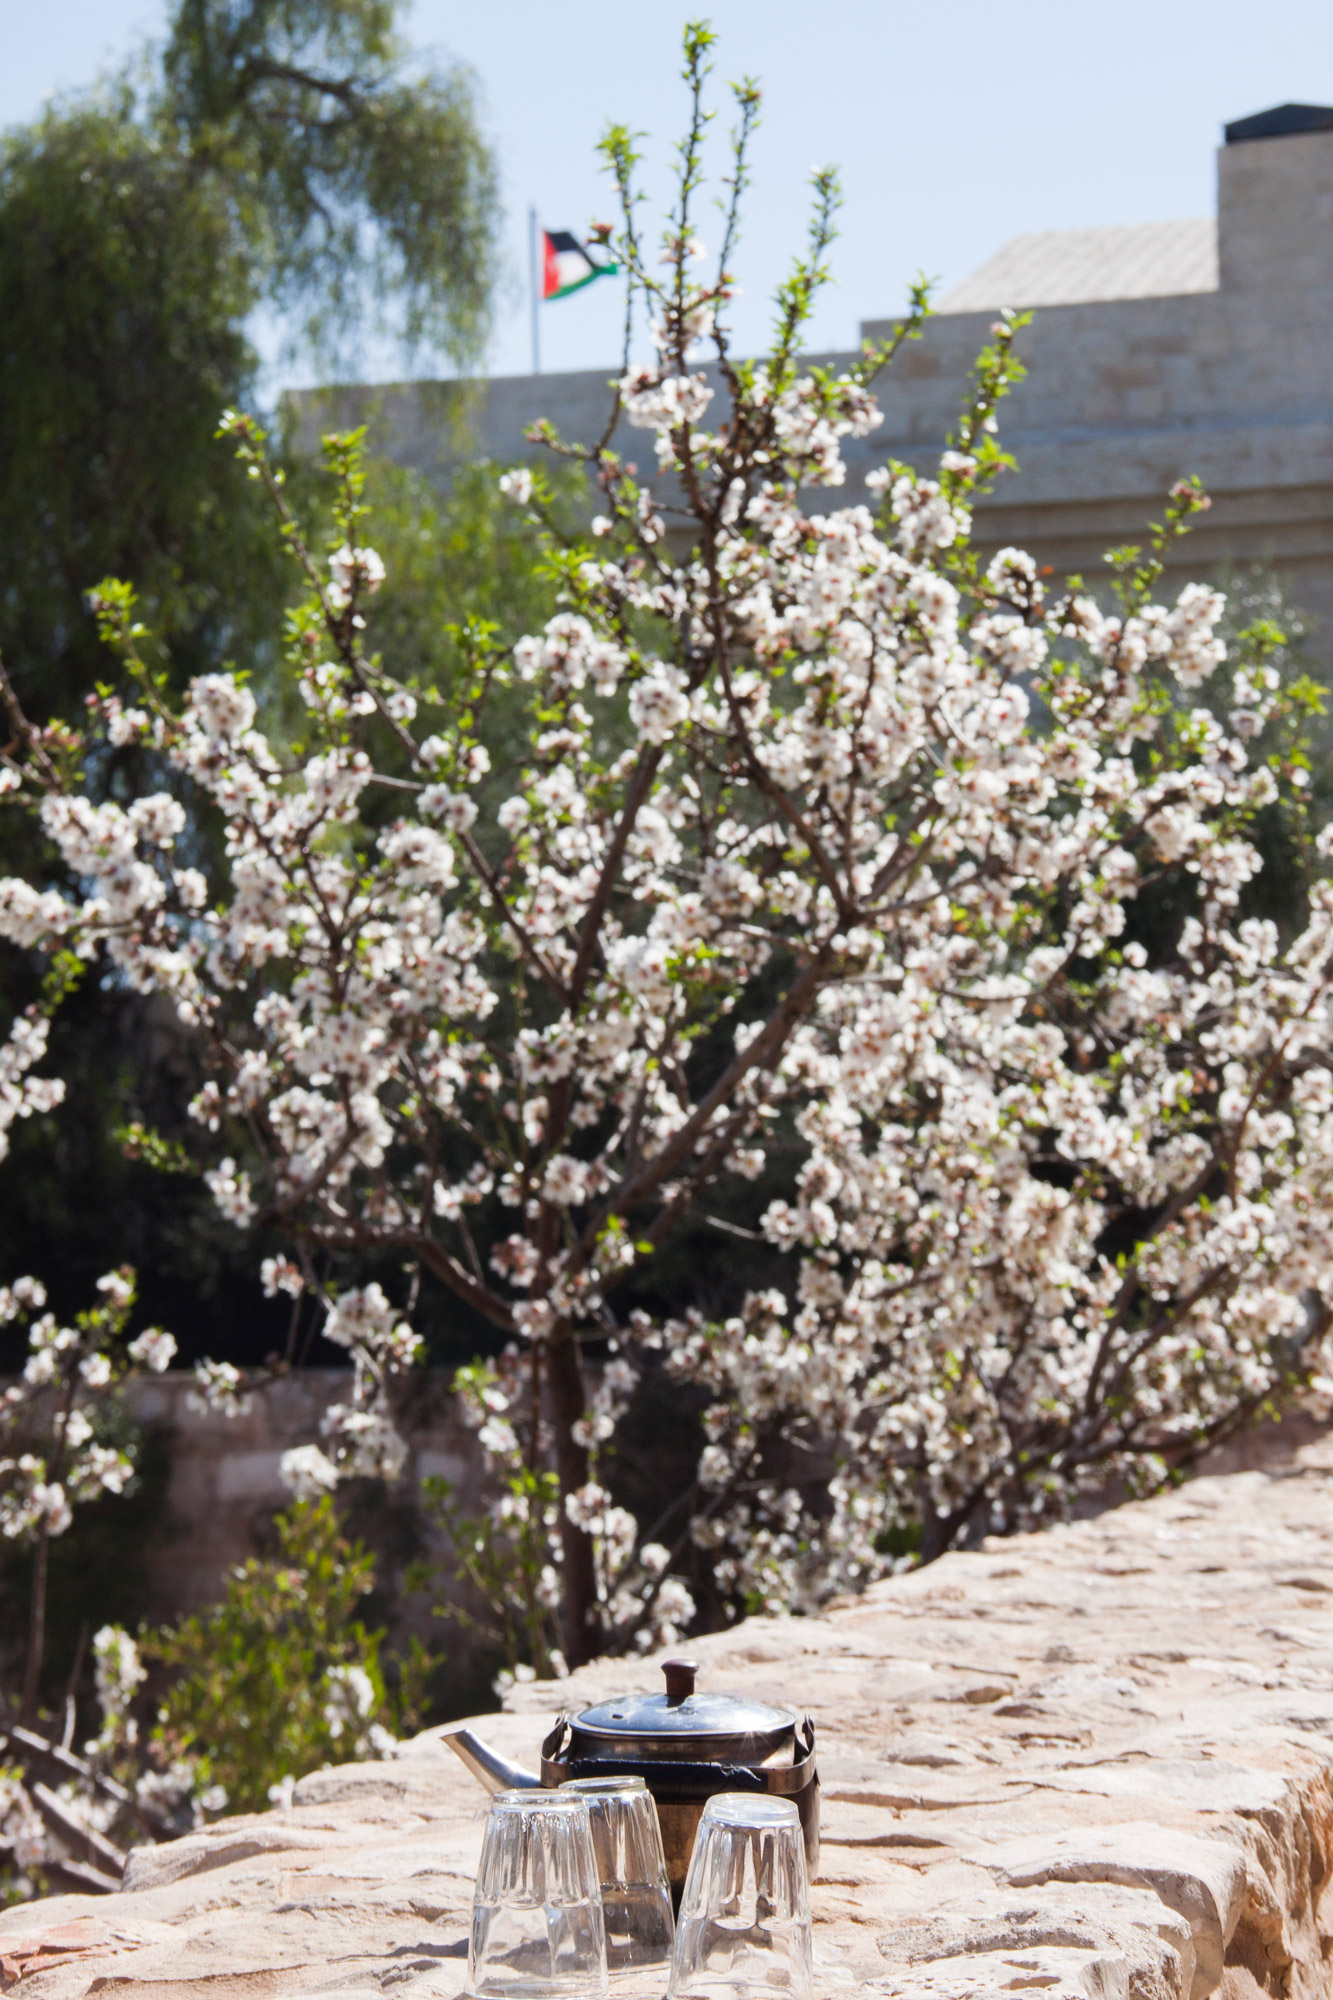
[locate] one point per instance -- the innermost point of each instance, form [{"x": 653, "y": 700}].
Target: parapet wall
[{"x": 1095, "y": 1764}]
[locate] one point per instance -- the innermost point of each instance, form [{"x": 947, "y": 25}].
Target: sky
[{"x": 956, "y": 124}]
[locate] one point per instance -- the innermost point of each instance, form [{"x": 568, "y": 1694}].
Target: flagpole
[{"x": 536, "y": 295}]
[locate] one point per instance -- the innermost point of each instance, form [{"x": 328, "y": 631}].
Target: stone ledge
[{"x": 1095, "y": 1764}]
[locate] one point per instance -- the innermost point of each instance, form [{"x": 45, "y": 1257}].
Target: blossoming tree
[
  {"x": 51, "y": 1455},
  {"x": 800, "y": 834}
]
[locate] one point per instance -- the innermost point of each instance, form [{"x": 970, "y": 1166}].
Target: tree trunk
[
  {"x": 580, "y": 1625},
  {"x": 935, "y": 1535},
  {"x": 36, "y": 1632}
]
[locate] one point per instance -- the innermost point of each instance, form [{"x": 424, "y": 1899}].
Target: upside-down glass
[
  {"x": 537, "y": 1911},
  {"x": 636, "y": 1896},
  {"x": 744, "y": 1925}
]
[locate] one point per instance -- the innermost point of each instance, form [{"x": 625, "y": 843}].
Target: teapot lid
[{"x": 681, "y": 1714}]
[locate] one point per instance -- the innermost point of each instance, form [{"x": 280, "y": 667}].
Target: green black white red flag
[
  {"x": 566, "y": 265},
  {"x": 559, "y": 264}
]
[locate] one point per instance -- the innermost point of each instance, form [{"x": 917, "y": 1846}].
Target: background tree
[
  {"x": 284, "y": 157},
  {"x": 362, "y": 188},
  {"x": 124, "y": 291},
  {"x": 276, "y": 155}
]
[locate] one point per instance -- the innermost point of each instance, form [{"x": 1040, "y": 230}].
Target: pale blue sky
[{"x": 956, "y": 123}]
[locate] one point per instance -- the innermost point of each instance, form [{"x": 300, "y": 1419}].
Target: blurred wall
[{"x": 223, "y": 1488}]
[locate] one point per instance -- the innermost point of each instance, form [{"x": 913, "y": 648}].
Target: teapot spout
[{"x": 492, "y": 1772}]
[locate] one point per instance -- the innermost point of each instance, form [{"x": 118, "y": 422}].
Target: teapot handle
[
  {"x": 555, "y": 1753},
  {"x": 668, "y": 1777}
]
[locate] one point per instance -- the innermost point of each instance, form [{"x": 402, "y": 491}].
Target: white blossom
[
  {"x": 517, "y": 486},
  {"x": 22, "y": 1095},
  {"x": 306, "y": 1472},
  {"x": 658, "y": 704},
  {"x": 219, "y": 1390},
  {"x": 154, "y": 1349},
  {"x": 353, "y": 569},
  {"x": 280, "y": 1274}
]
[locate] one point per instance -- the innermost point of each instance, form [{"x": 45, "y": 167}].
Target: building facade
[{"x": 1155, "y": 352}]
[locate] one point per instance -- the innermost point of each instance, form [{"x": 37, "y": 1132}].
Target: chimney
[{"x": 1275, "y": 202}]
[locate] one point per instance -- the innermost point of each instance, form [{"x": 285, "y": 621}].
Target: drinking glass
[
  {"x": 744, "y": 1925},
  {"x": 537, "y": 1911},
  {"x": 636, "y": 1896}
]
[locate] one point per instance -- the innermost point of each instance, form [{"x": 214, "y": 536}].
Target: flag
[{"x": 566, "y": 265}]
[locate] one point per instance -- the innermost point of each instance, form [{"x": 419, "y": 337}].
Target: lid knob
[{"x": 679, "y": 1676}]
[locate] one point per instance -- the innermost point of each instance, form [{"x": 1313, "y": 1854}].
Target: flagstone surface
[{"x": 1095, "y": 1763}]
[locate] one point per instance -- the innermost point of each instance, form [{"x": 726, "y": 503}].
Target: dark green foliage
[
  {"x": 358, "y": 186},
  {"x": 454, "y": 555},
  {"x": 253, "y": 1673},
  {"x": 98, "y": 1572},
  {"x": 123, "y": 288},
  {"x": 1261, "y": 625},
  {"x": 283, "y": 156},
  {"x": 72, "y": 1204}
]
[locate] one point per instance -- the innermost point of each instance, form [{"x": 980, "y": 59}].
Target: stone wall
[
  {"x": 223, "y": 1489},
  {"x": 1124, "y": 397},
  {"x": 1095, "y": 1764}
]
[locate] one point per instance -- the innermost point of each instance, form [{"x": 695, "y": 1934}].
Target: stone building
[{"x": 1157, "y": 350}]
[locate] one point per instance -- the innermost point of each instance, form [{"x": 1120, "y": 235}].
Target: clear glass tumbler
[
  {"x": 537, "y": 1911},
  {"x": 636, "y": 1896},
  {"x": 744, "y": 1925}
]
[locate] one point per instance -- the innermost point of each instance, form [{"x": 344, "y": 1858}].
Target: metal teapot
[{"x": 685, "y": 1746}]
